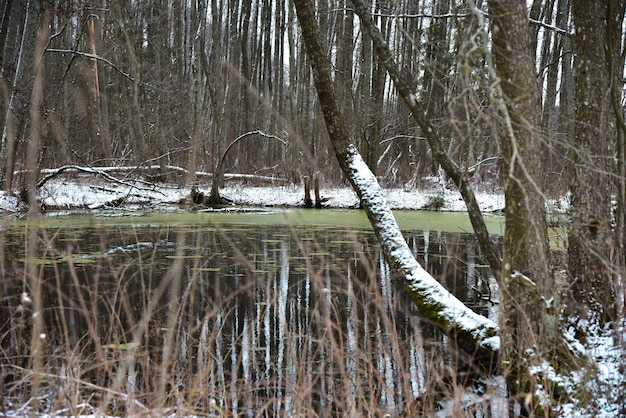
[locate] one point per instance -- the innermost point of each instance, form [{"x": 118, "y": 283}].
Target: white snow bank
[
  {"x": 90, "y": 193},
  {"x": 10, "y": 203}
]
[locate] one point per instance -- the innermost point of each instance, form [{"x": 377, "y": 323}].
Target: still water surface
[{"x": 269, "y": 314}]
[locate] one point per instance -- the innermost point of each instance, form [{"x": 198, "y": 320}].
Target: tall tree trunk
[
  {"x": 591, "y": 240},
  {"x": 95, "y": 33},
  {"x": 615, "y": 48},
  {"x": 528, "y": 331},
  {"x": 198, "y": 91},
  {"x": 5, "y": 18},
  {"x": 8, "y": 143},
  {"x": 435, "y": 71},
  {"x": 376, "y": 104},
  {"x": 246, "y": 78},
  {"x": 139, "y": 144},
  {"x": 215, "y": 84},
  {"x": 567, "y": 98},
  {"x": 549, "y": 121}
]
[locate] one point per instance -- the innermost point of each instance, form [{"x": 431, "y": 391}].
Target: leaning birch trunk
[
  {"x": 474, "y": 333},
  {"x": 429, "y": 131}
]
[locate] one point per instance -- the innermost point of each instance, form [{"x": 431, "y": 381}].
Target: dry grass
[{"x": 155, "y": 323}]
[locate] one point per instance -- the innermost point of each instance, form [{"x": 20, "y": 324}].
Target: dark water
[{"x": 250, "y": 314}]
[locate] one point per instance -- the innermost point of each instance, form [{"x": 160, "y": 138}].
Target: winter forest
[
  {"x": 173, "y": 83},
  {"x": 519, "y": 97}
]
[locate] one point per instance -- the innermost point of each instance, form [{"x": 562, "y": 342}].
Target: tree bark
[
  {"x": 140, "y": 146},
  {"x": 617, "y": 10},
  {"x": 308, "y": 202},
  {"x": 528, "y": 330},
  {"x": 474, "y": 333},
  {"x": 591, "y": 239}
]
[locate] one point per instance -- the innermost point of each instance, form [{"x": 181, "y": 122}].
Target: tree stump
[
  {"x": 308, "y": 203},
  {"x": 318, "y": 199}
]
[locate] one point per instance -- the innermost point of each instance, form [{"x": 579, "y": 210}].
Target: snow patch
[
  {"x": 10, "y": 203},
  {"x": 87, "y": 193}
]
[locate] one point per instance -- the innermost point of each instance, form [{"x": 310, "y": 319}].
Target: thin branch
[
  {"x": 93, "y": 56},
  {"x": 550, "y": 27},
  {"x": 98, "y": 172},
  {"x": 245, "y": 135},
  {"x": 422, "y": 15},
  {"x": 400, "y": 137},
  {"x": 481, "y": 162},
  {"x": 167, "y": 154}
]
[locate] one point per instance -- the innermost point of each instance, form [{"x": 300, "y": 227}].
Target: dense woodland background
[
  {"x": 174, "y": 82},
  {"x": 527, "y": 96}
]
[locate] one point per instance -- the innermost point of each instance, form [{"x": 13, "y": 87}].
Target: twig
[
  {"x": 479, "y": 163},
  {"x": 400, "y": 137},
  {"x": 550, "y": 27},
  {"x": 93, "y": 56}
]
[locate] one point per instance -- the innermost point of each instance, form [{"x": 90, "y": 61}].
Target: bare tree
[
  {"x": 527, "y": 283},
  {"x": 140, "y": 146},
  {"x": 591, "y": 238},
  {"x": 21, "y": 22}
]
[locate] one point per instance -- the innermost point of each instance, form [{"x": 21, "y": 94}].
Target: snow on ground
[
  {"x": 64, "y": 193},
  {"x": 10, "y": 203},
  {"x": 346, "y": 198}
]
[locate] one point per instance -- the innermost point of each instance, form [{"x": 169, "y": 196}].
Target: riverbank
[{"x": 89, "y": 193}]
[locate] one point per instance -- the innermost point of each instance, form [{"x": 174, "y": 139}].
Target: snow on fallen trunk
[{"x": 473, "y": 332}]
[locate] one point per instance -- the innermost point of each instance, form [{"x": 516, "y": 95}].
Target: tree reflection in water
[{"x": 229, "y": 319}]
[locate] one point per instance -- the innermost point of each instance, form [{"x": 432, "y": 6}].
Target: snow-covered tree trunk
[
  {"x": 474, "y": 333},
  {"x": 424, "y": 120}
]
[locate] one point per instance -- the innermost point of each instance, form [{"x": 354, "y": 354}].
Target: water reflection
[{"x": 267, "y": 320}]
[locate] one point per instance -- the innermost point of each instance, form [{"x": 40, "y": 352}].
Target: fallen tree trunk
[
  {"x": 103, "y": 172},
  {"x": 429, "y": 131},
  {"x": 50, "y": 173},
  {"x": 476, "y": 334}
]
